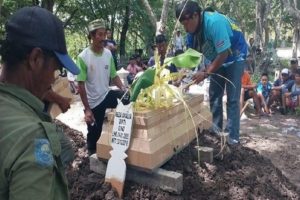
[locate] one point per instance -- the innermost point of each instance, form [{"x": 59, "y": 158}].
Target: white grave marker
[{"x": 120, "y": 140}]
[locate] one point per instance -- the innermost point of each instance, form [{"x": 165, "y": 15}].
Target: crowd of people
[
  {"x": 34, "y": 50},
  {"x": 283, "y": 95}
]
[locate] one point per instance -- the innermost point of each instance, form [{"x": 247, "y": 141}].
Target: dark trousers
[{"x": 94, "y": 132}]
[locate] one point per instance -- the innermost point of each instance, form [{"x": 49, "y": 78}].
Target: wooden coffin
[{"x": 158, "y": 134}]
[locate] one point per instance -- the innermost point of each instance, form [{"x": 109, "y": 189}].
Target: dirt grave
[{"x": 242, "y": 173}]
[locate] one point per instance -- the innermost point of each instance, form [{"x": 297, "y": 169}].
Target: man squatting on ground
[{"x": 33, "y": 150}]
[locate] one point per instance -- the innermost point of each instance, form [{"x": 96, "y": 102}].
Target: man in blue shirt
[
  {"x": 221, "y": 41},
  {"x": 281, "y": 86}
]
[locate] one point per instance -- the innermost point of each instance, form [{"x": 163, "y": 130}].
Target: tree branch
[
  {"x": 163, "y": 19},
  {"x": 66, "y": 23},
  {"x": 290, "y": 10},
  {"x": 136, "y": 33},
  {"x": 150, "y": 13}
]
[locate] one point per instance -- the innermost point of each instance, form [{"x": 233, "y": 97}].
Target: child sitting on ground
[
  {"x": 133, "y": 69},
  {"x": 264, "y": 88},
  {"x": 248, "y": 91},
  {"x": 292, "y": 99}
]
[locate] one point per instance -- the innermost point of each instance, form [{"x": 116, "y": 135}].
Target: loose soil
[{"x": 256, "y": 169}]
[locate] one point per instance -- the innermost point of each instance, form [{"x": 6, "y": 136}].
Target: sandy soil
[{"x": 277, "y": 138}]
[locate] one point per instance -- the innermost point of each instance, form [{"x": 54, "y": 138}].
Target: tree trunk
[
  {"x": 295, "y": 41},
  {"x": 293, "y": 10},
  {"x": 113, "y": 20},
  {"x": 258, "y": 35},
  {"x": 261, "y": 31},
  {"x": 163, "y": 19},
  {"x": 118, "y": 34},
  {"x": 136, "y": 40},
  {"x": 150, "y": 13},
  {"x": 112, "y": 25},
  {"x": 262, "y": 22},
  {"x": 124, "y": 31},
  {"x": 277, "y": 27},
  {"x": 267, "y": 10},
  {"x": 276, "y": 24},
  {"x": 267, "y": 38},
  {"x": 160, "y": 26}
]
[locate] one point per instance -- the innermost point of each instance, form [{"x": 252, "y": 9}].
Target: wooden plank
[
  {"x": 150, "y": 161},
  {"x": 150, "y": 120},
  {"x": 189, "y": 99},
  {"x": 165, "y": 138},
  {"x": 169, "y": 181},
  {"x": 153, "y": 132}
]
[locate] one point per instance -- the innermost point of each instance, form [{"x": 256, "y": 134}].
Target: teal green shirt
[{"x": 30, "y": 149}]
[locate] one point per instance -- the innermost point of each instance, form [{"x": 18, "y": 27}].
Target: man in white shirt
[{"x": 97, "y": 68}]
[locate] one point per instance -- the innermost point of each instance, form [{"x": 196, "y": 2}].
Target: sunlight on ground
[{"x": 74, "y": 118}]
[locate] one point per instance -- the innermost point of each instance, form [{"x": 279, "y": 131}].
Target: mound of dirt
[{"x": 240, "y": 173}]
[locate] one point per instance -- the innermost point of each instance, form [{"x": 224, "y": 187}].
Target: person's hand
[
  {"x": 199, "y": 76},
  {"x": 64, "y": 103},
  {"x": 89, "y": 116}
]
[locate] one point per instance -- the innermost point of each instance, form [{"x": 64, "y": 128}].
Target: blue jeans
[{"x": 217, "y": 85}]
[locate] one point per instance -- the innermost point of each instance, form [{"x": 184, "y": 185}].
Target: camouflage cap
[{"x": 96, "y": 24}]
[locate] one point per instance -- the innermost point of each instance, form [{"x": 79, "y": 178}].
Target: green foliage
[
  {"x": 243, "y": 11},
  {"x": 77, "y": 13},
  {"x": 144, "y": 81},
  {"x": 255, "y": 77},
  {"x": 75, "y": 43},
  {"x": 9, "y": 7},
  {"x": 285, "y": 63},
  {"x": 188, "y": 60}
]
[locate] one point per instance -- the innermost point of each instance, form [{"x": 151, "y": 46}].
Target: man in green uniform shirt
[{"x": 31, "y": 147}]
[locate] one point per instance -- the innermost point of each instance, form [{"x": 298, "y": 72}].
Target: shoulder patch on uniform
[{"x": 42, "y": 152}]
